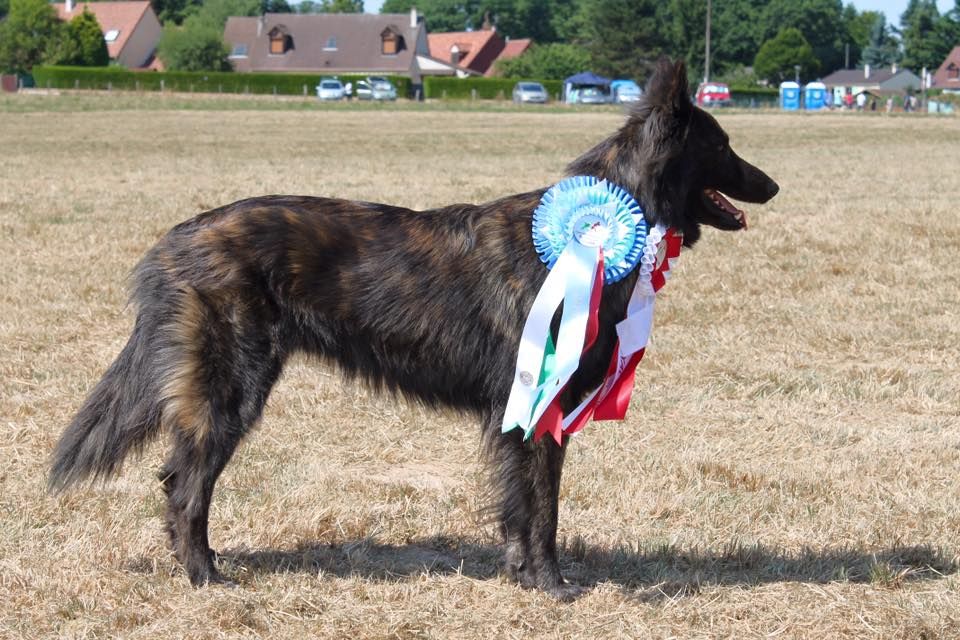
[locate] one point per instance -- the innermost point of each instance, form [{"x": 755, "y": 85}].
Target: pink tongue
[{"x": 739, "y": 214}]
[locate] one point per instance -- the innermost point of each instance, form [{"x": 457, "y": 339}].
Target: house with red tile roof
[
  {"x": 948, "y": 75},
  {"x": 333, "y": 43},
  {"x": 130, "y": 27},
  {"x": 475, "y": 51}
]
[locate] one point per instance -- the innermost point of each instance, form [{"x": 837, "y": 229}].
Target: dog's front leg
[
  {"x": 526, "y": 476},
  {"x": 546, "y": 464}
]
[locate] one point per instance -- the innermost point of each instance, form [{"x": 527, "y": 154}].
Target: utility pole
[{"x": 706, "y": 63}]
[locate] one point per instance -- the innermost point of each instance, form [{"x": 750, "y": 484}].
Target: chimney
[
  {"x": 413, "y": 17},
  {"x": 69, "y": 6},
  {"x": 866, "y": 72},
  {"x": 261, "y": 23}
]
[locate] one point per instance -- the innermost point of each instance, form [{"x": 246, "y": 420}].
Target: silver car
[
  {"x": 594, "y": 95},
  {"x": 330, "y": 89},
  {"x": 530, "y": 92},
  {"x": 375, "y": 88}
]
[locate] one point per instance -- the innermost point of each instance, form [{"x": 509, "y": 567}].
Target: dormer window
[
  {"x": 953, "y": 72},
  {"x": 331, "y": 44},
  {"x": 111, "y": 35},
  {"x": 391, "y": 42},
  {"x": 280, "y": 41}
]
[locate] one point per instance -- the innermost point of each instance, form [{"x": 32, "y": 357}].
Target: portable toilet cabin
[
  {"x": 789, "y": 96},
  {"x": 814, "y": 96}
]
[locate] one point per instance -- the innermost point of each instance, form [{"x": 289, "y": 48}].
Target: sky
[{"x": 891, "y": 8}]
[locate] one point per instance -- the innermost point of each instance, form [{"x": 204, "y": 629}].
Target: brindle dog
[{"x": 429, "y": 304}]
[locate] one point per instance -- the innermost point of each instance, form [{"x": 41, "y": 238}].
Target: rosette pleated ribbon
[{"x": 588, "y": 232}]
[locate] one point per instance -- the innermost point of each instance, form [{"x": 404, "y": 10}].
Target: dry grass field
[{"x": 790, "y": 466}]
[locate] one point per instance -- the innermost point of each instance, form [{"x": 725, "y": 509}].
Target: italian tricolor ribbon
[{"x": 589, "y": 233}]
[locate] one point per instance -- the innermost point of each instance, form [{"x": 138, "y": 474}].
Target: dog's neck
[{"x": 620, "y": 160}]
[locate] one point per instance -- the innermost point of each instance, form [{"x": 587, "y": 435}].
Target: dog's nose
[{"x": 772, "y": 189}]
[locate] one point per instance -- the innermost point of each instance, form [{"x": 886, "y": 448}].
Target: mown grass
[{"x": 788, "y": 467}]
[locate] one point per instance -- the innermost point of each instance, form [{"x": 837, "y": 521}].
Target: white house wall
[{"x": 142, "y": 42}]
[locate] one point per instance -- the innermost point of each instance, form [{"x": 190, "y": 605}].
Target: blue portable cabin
[
  {"x": 789, "y": 96},
  {"x": 814, "y": 96}
]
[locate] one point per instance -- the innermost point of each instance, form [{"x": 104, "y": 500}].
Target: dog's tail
[{"x": 120, "y": 415}]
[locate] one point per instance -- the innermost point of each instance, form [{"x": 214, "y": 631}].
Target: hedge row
[
  {"x": 202, "y": 82},
  {"x": 434, "y": 87},
  {"x": 446, "y": 87}
]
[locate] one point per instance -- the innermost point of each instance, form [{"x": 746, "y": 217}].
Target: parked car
[
  {"x": 713, "y": 94},
  {"x": 594, "y": 95},
  {"x": 375, "y": 88},
  {"x": 530, "y": 92},
  {"x": 625, "y": 91},
  {"x": 330, "y": 89}
]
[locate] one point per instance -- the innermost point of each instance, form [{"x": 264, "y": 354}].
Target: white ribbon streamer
[{"x": 570, "y": 281}]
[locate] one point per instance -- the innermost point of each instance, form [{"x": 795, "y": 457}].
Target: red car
[{"x": 713, "y": 94}]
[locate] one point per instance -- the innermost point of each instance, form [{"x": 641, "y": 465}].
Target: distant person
[
  {"x": 889, "y": 105},
  {"x": 873, "y": 104},
  {"x": 848, "y": 101},
  {"x": 861, "y": 101},
  {"x": 348, "y": 90}
]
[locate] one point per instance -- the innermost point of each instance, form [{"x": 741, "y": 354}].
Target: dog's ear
[{"x": 668, "y": 88}]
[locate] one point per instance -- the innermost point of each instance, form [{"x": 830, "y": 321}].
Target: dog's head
[{"x": 676, "y": 159}]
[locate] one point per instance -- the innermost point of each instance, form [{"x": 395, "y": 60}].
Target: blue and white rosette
[
  {"x": 595, "y": 213},
  {"x": 581, "y": 225}
]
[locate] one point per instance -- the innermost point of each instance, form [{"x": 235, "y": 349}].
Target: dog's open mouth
[{"x": 725, "y": 214}]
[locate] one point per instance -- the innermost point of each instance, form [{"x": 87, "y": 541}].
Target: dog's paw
[{"x": 566, "y": 592}]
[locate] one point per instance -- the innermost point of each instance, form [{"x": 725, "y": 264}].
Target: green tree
[
  {"x": 857, "y": 28},
  {"x": 174, "y": 11},
  {"x": 736, "y": 34},
  {"x": 193, "y": 48},
  {"x": 4, "y": 8},
  {"x": 28, "y": 35},
  {"x": 687, "y": 19},
  {"x": 275, "y": 6},
  {"x": 440, "y": 15},
  {"x": 554, "y": 61},
  {"x": 927, "y": 36},
  {"x": 543, "y": 20},
  {"x": 341, "y": 6},
  {"x": 81, "y": 43},
  {"x": 819, "y": 21},
  {"x": 626, "y": 52},
  {"x": 777, "y": 59},
  {"x": 881, "y": 49},
  {"x": 213, "y": 14},
  {"x": 568, "y": 19}
]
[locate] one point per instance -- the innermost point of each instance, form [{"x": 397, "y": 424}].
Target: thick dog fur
[{"x": 429, "y": 304}]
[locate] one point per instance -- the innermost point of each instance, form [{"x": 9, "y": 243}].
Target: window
[
  {"x": 239, "y": 51},
  {"x": 280, "y": 41},
  {"x": 331, "y": 44},
  {"x": 953, "y": 72},
  {"x": 111, "y": 35},
  {"x": 391, "y": 42}
]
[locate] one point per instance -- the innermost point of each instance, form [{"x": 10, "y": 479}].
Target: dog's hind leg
[{"x": 220, "y": 372}]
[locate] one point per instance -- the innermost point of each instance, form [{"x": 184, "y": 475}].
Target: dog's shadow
[{"x": 652, "y": 573}]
